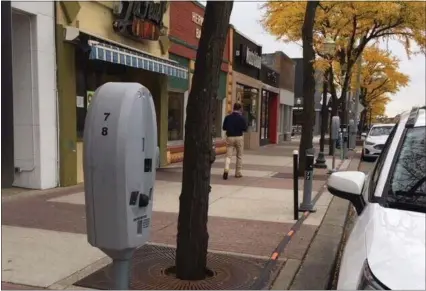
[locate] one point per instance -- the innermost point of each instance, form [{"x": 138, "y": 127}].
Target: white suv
[
  {"x": 375, "y": 140},
  {"x": 386, "y": 248}
]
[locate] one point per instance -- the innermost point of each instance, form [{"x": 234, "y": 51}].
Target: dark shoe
[{"x": 225, "y": 175}]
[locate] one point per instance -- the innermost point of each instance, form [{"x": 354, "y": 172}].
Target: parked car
[
  {"x": 375, "y": 140},
  {"x": 386, "y": 247}
]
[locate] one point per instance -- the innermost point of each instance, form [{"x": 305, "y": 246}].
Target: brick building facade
[{"x": 186, "y": 18}]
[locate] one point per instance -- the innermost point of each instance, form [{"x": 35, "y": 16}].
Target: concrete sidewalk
[
  {"x": 315, "y": 270},
  {"x": 44, "y": 233}
]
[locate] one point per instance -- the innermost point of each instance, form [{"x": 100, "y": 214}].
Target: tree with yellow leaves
[
  {"x": 380, "y": 77},
  {"x": 353, "y": 26}
]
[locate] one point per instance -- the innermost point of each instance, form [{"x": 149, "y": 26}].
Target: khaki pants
[{"x": 237, "y": 143}]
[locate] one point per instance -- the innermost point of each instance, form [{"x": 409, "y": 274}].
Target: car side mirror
[
  {"x": 363, "y": 135},
  {"x": 348, "y": 185}
]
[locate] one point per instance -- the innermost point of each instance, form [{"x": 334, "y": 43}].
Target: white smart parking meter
[{"x": 120, "y": 159}]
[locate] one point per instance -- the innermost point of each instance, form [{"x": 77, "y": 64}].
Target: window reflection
[
  {"x": 247, "y": 96},
  {"x": 381, "y": 130},
  {"x": 408, "y": 183},
  {"x": 175, "y": 116}
]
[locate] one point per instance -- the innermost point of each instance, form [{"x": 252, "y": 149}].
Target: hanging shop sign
[
  {"x": 140, "y": 20},
  {"x": 198, "y": 20},
  {"x": 272, "y": 77},
  {"x": 250, "y": 57},
  {"x": 198, "y": 33}
]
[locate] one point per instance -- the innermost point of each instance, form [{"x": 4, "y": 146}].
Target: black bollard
[{"x": 296, "y": 184}]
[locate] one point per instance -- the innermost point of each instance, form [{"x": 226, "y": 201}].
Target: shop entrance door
[{"x": 264, "y": 118}]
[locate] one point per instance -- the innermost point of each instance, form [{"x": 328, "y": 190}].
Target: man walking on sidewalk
[{"x": 235, "y": 125}]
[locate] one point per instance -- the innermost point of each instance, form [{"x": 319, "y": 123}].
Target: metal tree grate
[{"x": 150, "y": 263}]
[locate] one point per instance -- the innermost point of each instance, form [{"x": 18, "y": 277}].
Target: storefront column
[
  {"x": 162, "y": 116},
  {"x": 67, "y": 109},
  {"x": 273, "y": 119},
  {"x": 7, "y": 149}
]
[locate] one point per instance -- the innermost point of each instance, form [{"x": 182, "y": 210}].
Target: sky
[{"x": 246, "y": 19}]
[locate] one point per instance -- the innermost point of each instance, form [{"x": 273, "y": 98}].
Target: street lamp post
[
  {"x": 298, "y": 103},
  {"x": 329, "y": 47},
  {"x": 345, "y": 117}
]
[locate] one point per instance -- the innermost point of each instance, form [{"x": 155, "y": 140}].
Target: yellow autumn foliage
[
  {"x": 346, "y": 21},
  {"x": 380, "y": 77},
  {"x": 353, "y": 25},
  {"x": 380, "y": 72}
]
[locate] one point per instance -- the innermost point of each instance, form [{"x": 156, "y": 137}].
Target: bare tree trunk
[
  {"x": 308, "y": 84},
  {"x": 192, "y": 237},
  {"x": 363, "y": 119},
  {"x": 334, "y": 105}
]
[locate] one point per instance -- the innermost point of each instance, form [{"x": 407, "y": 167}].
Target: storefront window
[
  {"x": 175, "y": 117},
  {"x": 264, "y": 116},
  {"x": 248, "y": 97}
]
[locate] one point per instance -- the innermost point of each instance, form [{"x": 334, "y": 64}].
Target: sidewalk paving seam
[
  {"x": 265, "y": 276},
  {"x": 15, "y": 286},
  {"x": 80, "y": 274},
  {"x": 35, "y": 193},
  {"x": 304, "y": 277}
]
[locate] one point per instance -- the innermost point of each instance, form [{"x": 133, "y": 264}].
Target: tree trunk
[
  {"x": 308, "y": 85},
  {"x": 334, "y": 106},
  {"x": 324, "y": 110},
  {"x": 363, "y": 119},
  {"x": 192, "y": 237}
]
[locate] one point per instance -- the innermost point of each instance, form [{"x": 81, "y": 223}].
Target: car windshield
[
  {"x": 408, "y": 181},
  {"x": 380, "y": 130}
]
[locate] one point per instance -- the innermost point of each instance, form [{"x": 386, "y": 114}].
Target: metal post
[
  {"x": 296, "y": 184},
  {"x": 345, "y": 127},
  {"x": 321, "y": 162},
  {"x": 334, "y": 137},
  {"x": 333, "y": 166},
  {"x": 121, "y": 274},
  {"x": 333, "y": 163},
  {"x": 345, "y": 141},
  {"x": 341, "y": 144},
  {"x": 358, "y": 91},
  {"x": 352, "y": 134},
  {"x": 306, "y": 204}
]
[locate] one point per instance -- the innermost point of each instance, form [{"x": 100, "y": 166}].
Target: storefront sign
[
  {"x": 197, "y": 19},
  {"x": 198, "y": 33},
  {"x": 253, "y": 59},
  {"x": 272, "y": 77},
  {"x": 142, "y": 20}
]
